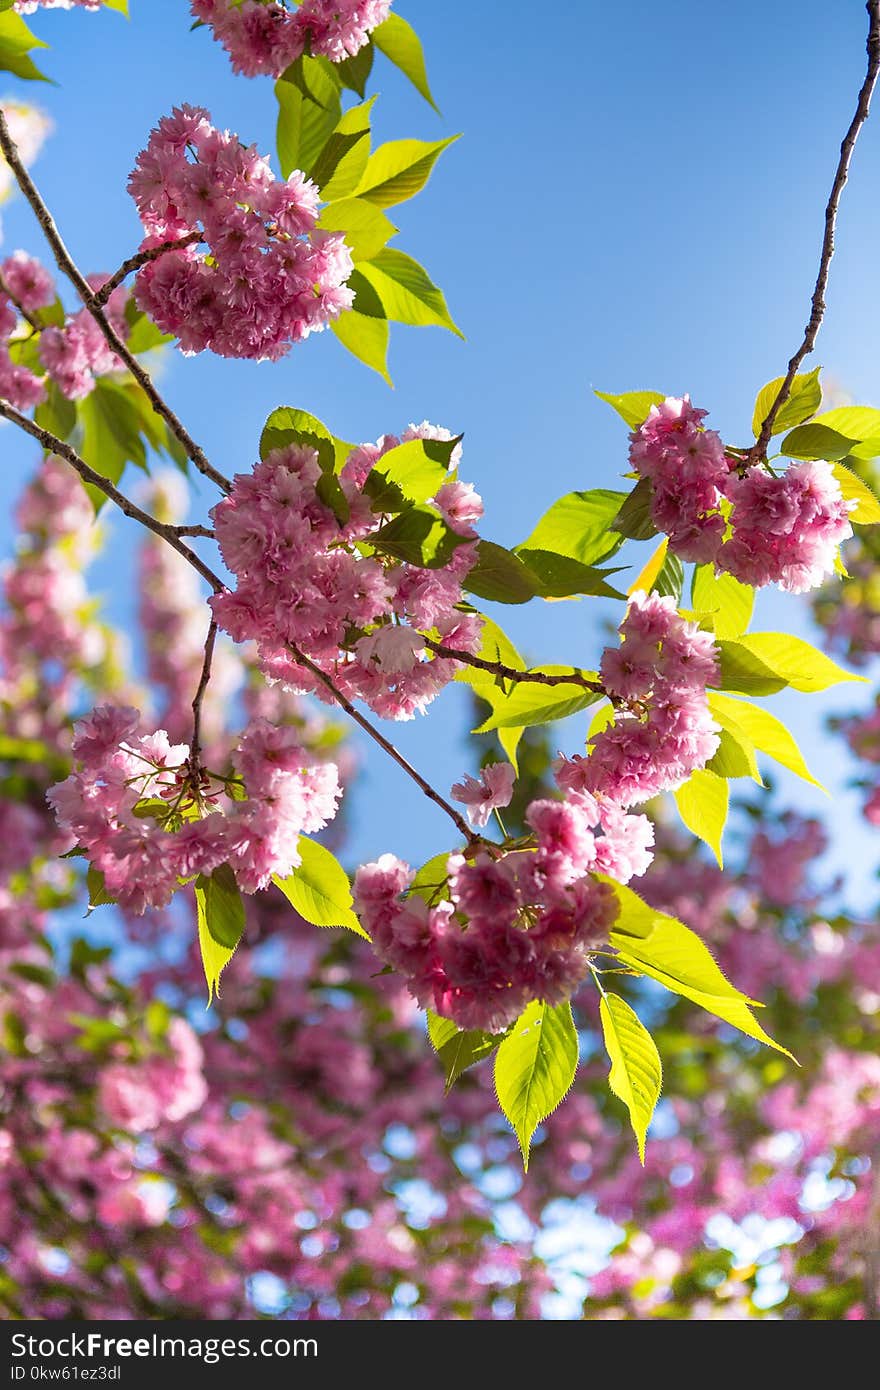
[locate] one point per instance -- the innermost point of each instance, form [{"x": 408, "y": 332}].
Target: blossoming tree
[{"x": 151, "y": 1171}]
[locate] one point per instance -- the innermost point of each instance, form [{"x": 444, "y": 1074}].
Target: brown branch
[
  {"x": 68, "y": 267},
  {"x": 13, "y": 299},
  {"x": 142, "y": 258},
  {"x": 377, "y": 737},
  {"x": 193, "y": 531},
  {"x": 196, "y": 745},
  {"x": 758, "y": 452},
  {"x": 511, "y": 673},
  {"x": 57, "y": 446}
]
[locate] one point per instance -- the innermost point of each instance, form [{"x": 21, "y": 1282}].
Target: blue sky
[{"x": 636, "y": 203}]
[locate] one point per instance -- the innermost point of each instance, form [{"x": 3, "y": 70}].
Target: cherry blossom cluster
[
  {"x": 506, "y": 928},
  {"x": 662, "y": 729},
  {"x": 303, "y": 582},
  {"x": 760, "y": 527},
  {"x": 74, "y": 354},
  {"x": 131, "y": 805},
  {"x": 18, "y": 384},
  {"x": 265, "y": 37},
  {"x": 50, "y": 637},
  {"x": 266, "y": 278}
]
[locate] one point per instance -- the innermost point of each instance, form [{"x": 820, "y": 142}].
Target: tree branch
[
  {"x": 142, "y": 258},
  {"x": 68, "y": 267},
  {"x": 196, "y": 745},
  {"x": 193, "y": 531},
  {"x": 57, "y": 446},
  {"x": 458, "y": 821},
  {"x": 758, "y": 452},
  {"x": 511, "y": 673}
]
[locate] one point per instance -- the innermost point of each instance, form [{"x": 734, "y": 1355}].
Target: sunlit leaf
[{"x": 636, "y": 1074}]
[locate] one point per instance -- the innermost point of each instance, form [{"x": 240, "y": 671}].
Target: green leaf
[
  {"x": 867, "y": 509},
  {"x": 861, "y": 422},
  {"x": 723, "y": 599},
  {"x": 354, "y": 72},
  {"x": 760, "y": 663},
  {"x": 603, "y": 717},
  {"x": 636, "y": 1074},
  {"x": 56, "y": 414},
  {"x": 561, "y": 577},
  {"x": 579, "y": 525},
  {"x": 495, "y": 645},
  {"x": 632, "y": 406},
  {"x": 736, "y": 752},
  {"x": 803, "y": 401},
  {"x": 223, "y": 907},
  {"x": 399, "y": 169},
  {"x": 401, "y": 44},
  {"x": 816, "y": 442},
  {"x": 215, "y": 956},
  {"x": 858, "y": 421},
  {"x": 534, "y": 1068},
  {"x": 660, "y": 946},
  {"x": 111, "y": 426},
  {"x": 634, "y": 518},
  {"x": 121, "y": 6},
  {"x": 500, "y": 576},
  {"x": 459, "y": 1049},
  {"x": 319, "y": 889},
  {"x": 98, "y": 895},
  {"x": 416, "y": 469},
  {"x": 365, "y": 227},
  {"x": 418, "y": 536},
  {"x": 765, "y": 731},
  {"x": 143, "y": 335},
  {"x": 670, "y": 580},
  {"x": 16, "y": 42},
  {"x": 430, "y": 883},
  {"x": 304, "y": 124},
  {"x": 338, "y": 169},
  {"x": 406, "y": 291},
  {"x": 288, "y": 425},
  {"x": 530, "y": 703},
  {"x": 365, "y": 338},
  {"x": 703, "y": 802}
]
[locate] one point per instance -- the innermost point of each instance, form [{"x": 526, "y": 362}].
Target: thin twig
[
  {"x": 377, "y": 737},
  {"x": 196, "y": 745},
  {"x": 25, "y": 313},
  {"x": 511, "y": 673},
  {"x": 758, "y": 452},
  {"x": 142, "y": 258},
  {"x": 57, "y": 446},
  {"x": 68, "y": 267}
]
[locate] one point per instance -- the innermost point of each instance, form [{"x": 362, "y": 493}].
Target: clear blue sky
[{"x": 636, "y": 202}]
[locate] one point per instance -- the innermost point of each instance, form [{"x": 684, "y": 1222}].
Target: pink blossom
[
  {"x": 493, "y": 787},
  {"x": 268, "y": 277},
  {"x": 268, "y": 37}
]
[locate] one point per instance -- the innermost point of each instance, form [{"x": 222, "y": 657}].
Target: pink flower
[
  {"x": 493, "y": 787},
  {"x": 268, "y": 276}
]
